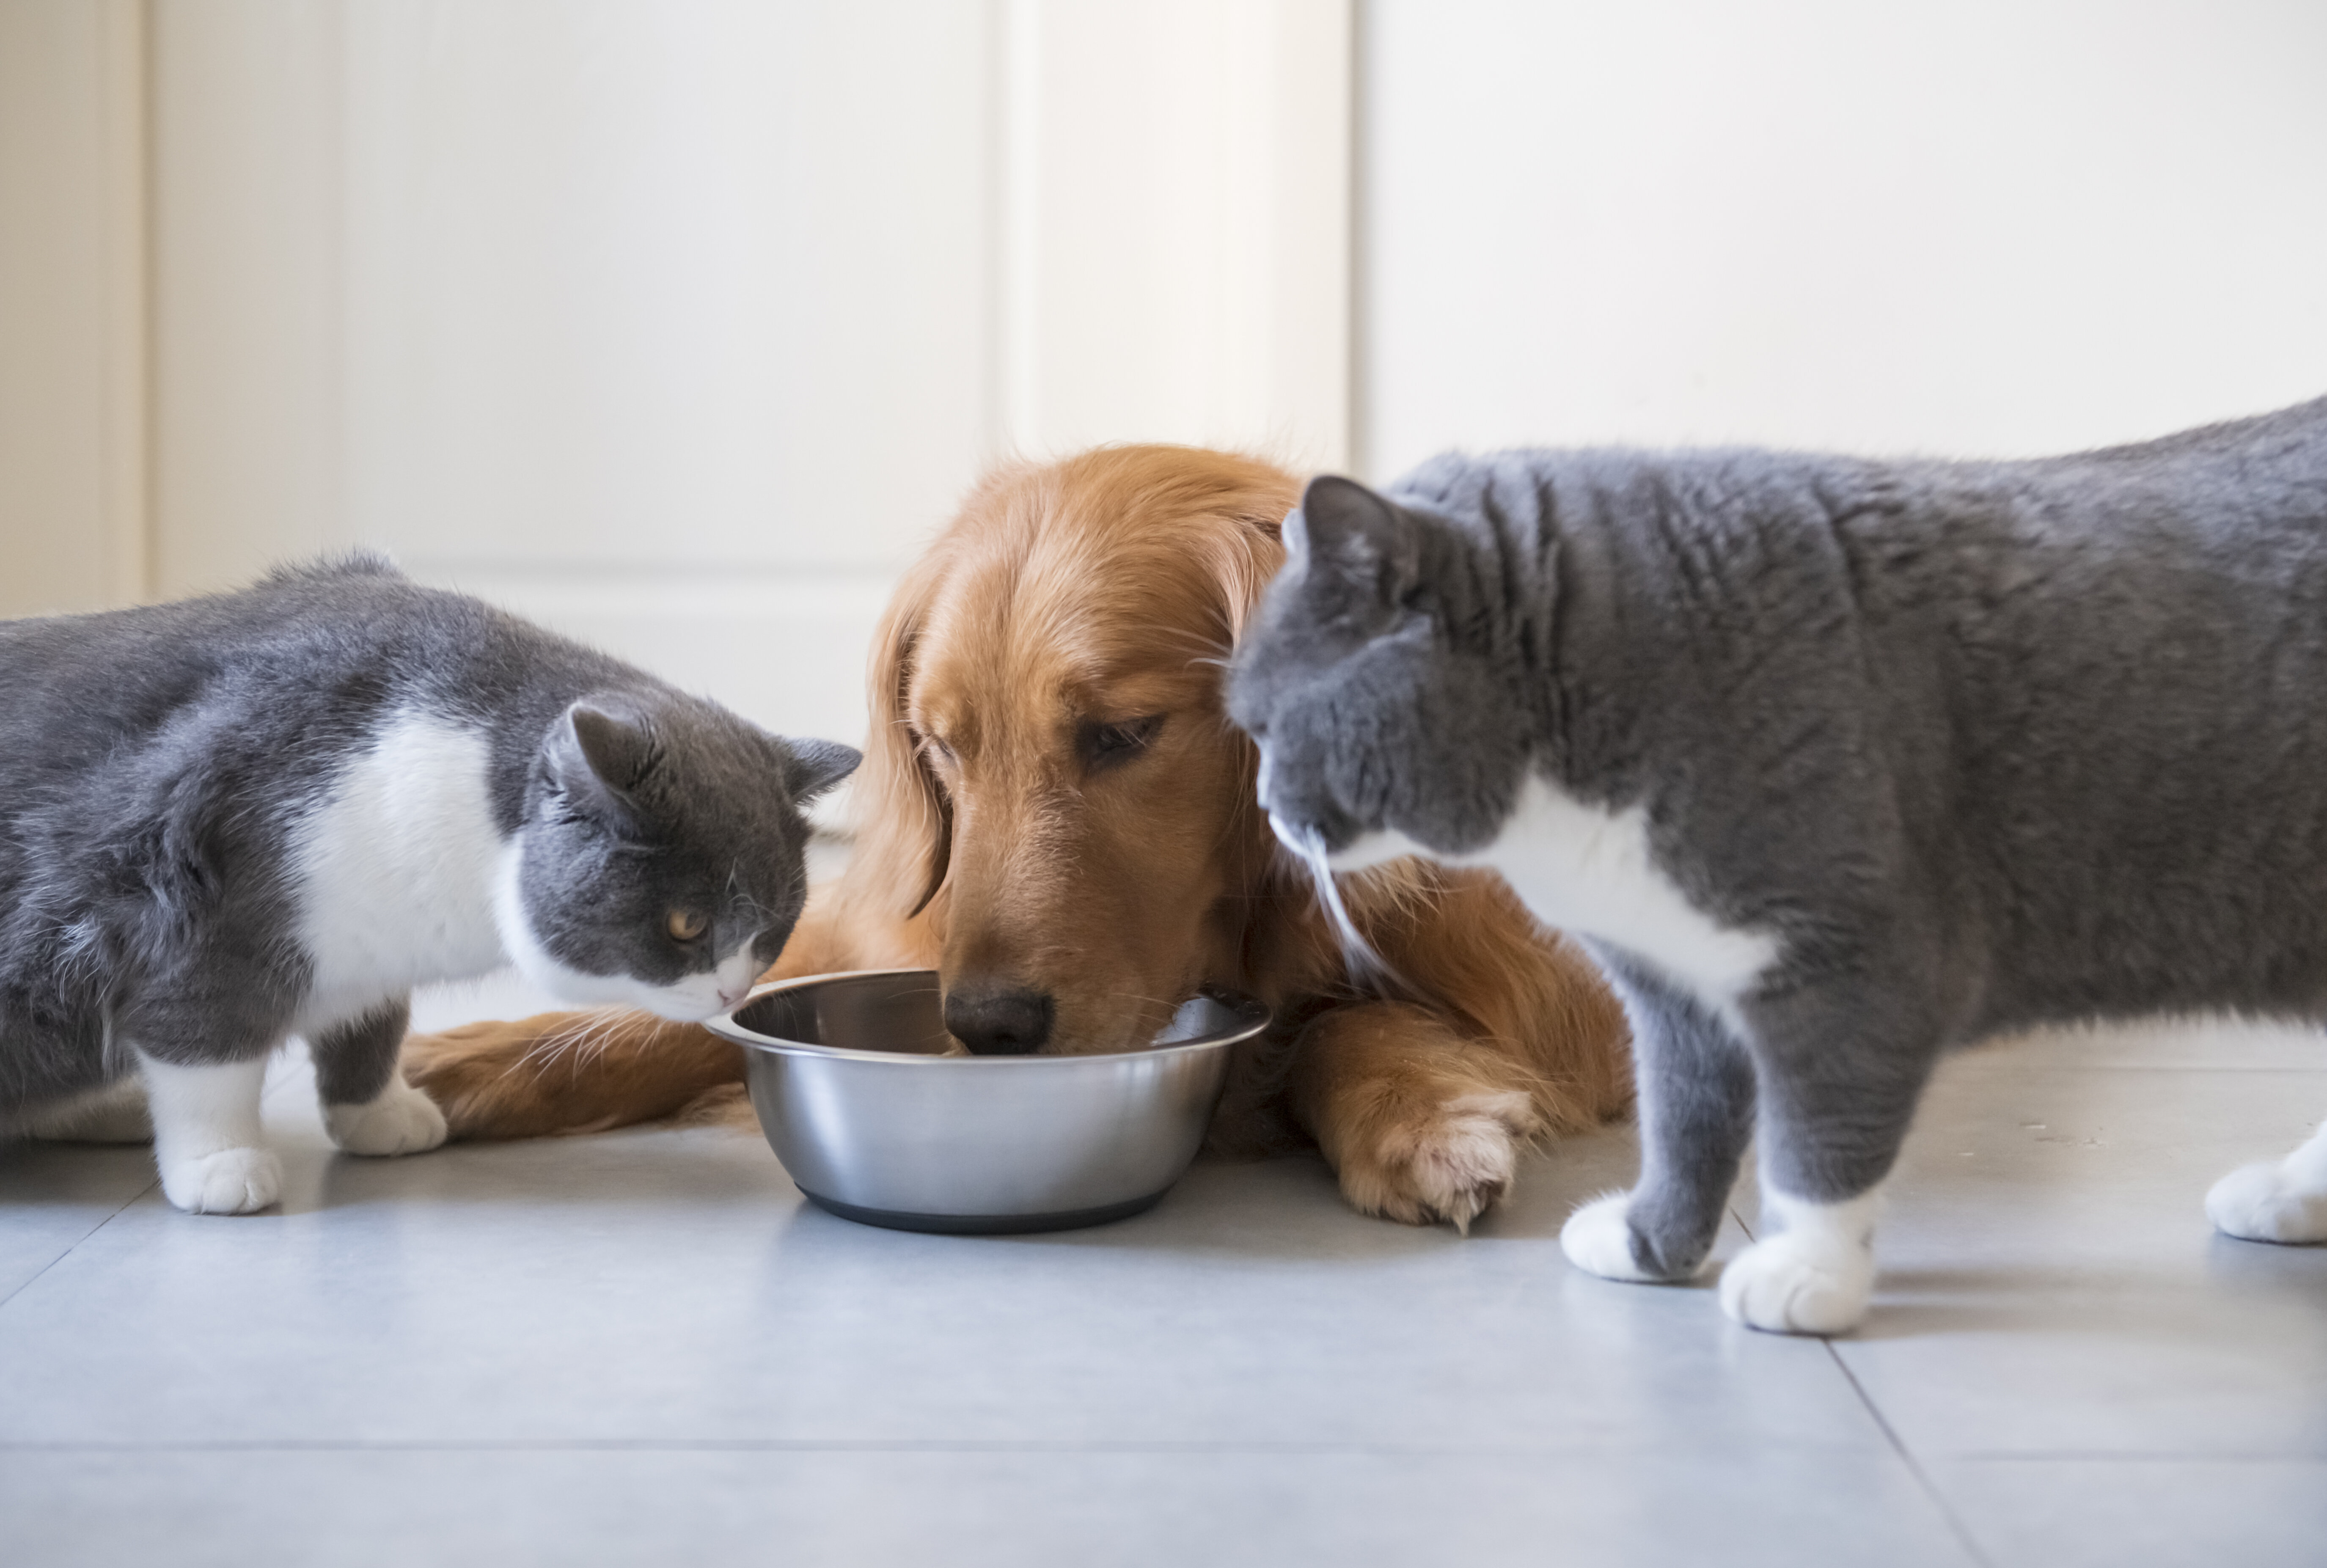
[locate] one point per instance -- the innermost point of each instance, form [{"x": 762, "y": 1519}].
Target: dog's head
[{"x": 1052, "y": 781}]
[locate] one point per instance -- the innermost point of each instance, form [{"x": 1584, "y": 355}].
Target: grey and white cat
[
  {"x": 1834, "y": 764},
  {"x": 235, "y": 818}
]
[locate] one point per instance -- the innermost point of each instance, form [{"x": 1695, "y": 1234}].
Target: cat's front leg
[
  {"x": 1837, "y": 1089},
  {"x": 368, "y": 1108},
  {"x": 1695, "y": 1104},
  {"x": 1813, "y": 1270},
  {"x": 206, "y": 1136}
]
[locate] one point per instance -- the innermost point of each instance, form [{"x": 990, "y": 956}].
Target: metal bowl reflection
[{"x": 859, "y": 1099}]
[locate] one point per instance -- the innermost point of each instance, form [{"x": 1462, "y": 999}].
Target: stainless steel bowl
[{"x": 877, "y": 1126}]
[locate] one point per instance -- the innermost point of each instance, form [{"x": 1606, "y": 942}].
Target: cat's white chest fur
[
  {"x": 396, "y": 870},
  {"x": 1587, "y": 871}
]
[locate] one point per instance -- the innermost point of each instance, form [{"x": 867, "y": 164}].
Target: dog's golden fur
[{"x": 990, "y": 846}]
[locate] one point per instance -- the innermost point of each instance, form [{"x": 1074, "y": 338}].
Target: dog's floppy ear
[
  {"x": 1246, "y": 558},
  {"x": 908, "y": 840}
]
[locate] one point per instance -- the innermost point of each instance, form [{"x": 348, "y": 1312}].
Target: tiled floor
[{"x": 642, "y": 1347}]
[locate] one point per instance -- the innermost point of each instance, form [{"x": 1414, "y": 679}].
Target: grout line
[
  {"x": 84, "y": 1236},
  {"x": 1027, "y": 1445},
  {"x": 1914, "y": 1467},
  {"x": 1947, "y": 1510},
  {"x": 263, "y": 1097},
  {"x": 803, "y": 1445},
  {"x": 2184, "y": 1067},
  {"x": 2128, "y": 1456}
]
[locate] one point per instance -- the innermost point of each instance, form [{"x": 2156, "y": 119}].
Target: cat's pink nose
[{"x": 730, "y": 994}]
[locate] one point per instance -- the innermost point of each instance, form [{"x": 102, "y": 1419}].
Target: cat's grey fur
[
  {"x": 158, "y": 767},
  {"x": 1974, "y": 746}
]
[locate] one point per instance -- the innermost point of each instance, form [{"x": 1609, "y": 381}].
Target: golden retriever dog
[{"x": 1055, "y": 815}]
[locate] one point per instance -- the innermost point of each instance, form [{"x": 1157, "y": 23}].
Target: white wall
[
  {"x": 660, "y": 322},
  {"x": 678, "y": 323},
  {"x": 674, "y": 323},
  {"x": 72, "y": 305},
  {"x": 1989, "y": 227},
  {"x": 1175, "y": 217}
]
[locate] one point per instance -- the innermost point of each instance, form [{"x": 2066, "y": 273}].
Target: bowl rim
[{"x": 1255, "y": 1017}]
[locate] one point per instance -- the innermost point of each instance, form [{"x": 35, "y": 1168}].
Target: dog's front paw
[
  {"x": 229, "y": 1181},
  {"x": 1448, "y": 1162},
  {"x": 401, "y": 1121},
  {"x": 2266, "y": 1203},
  {"x": 1800, "y": 1283}
]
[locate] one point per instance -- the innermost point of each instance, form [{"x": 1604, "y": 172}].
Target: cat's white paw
[
  {"x": 2266, "y": 1202},
  {"x": 1807, "y": 1282},
  {"x": 402, "y": 1121},
  {"x": 229, "y": 1181},
  {"x": 1598, "y": 1239}
]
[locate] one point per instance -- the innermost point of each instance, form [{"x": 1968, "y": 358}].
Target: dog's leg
[
  {"x": 589, "y": 1072},
  {"x": 566, "y": 1072},
  {"x": 2283, "y": 1200},
  {"x": 1697, "y": 1112},
  {"x": 116, "y": 1113},
  {"x": 1421, "y": 1123}
]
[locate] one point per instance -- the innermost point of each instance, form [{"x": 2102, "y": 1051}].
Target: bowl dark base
[{"x": 984, "y": 1224}]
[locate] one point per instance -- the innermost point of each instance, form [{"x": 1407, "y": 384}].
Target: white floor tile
[
  {"x": 1222, "y": 1508},
  {"x": 52, "y": 1196},
  {"x": 2114, "y": 1513},
  {"x": 644, "y": 1347},
  {"x": 2049, "y": 1282}
]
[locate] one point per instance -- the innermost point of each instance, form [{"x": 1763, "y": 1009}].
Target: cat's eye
[
  {"x": 684, "y": 925},
  {"x": 1103, "y": 745}
]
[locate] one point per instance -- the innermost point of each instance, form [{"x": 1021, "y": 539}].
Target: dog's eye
[
  {"x": 938, "y": 749},
  {"x": 1105, "y": 745}
]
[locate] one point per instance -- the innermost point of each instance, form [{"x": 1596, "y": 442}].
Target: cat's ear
[
  {"x": 1355, "y": 537},
  {"x": 597, "y": 753},
  {"x": 816, "y": 766},
  {"x": 1293, "y": 533}
]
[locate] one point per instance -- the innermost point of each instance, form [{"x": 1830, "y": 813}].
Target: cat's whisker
[
  {"x": 575, "y": 1038},
  {"x": 1168, "y": 1007},
  {"x": 1362, "y": 959},
  {"x": 601, "y": 1039}
]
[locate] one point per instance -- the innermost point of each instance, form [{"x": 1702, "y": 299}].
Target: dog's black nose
[{"x": 994, "y": 1022}]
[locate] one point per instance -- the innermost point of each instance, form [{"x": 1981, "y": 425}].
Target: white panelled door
[
  {"x": 666, "y": 324},
  {"x": 677, "y": 324}
]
